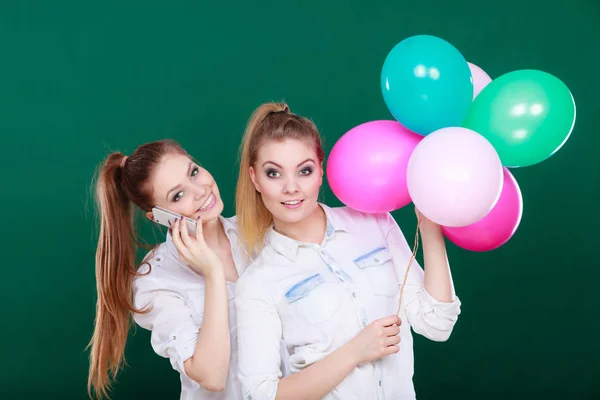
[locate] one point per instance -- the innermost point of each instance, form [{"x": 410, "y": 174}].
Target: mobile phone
[{"x": 164, "y": 216}]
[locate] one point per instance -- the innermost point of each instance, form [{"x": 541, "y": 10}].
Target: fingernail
[
  {"x": 199, "y": 216},
  {"x": 169, "y": 221}
]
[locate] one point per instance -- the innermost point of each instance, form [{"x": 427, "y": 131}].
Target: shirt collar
[
  {"x": 229, "y": 225},
  {"x": 288, "y": 247}
]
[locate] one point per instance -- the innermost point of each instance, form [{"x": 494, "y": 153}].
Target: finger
[
  {"x": 185, "y": 234},
  {"x": 199, "y": 232},
  {"x": 390, "y": 320},
  {"x": 392, "y": 340},
  {"x": 392, "y": 330},
  {"x": 177, "y": 241},
  {"x": 391, "y": 350},
  {"x": 175, "y": 230}
]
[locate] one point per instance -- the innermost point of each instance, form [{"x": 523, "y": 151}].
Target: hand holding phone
[
  {"x": 192, "y": 247},
  {"x": 167, "y": 218}
]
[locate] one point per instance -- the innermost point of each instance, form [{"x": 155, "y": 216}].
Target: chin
[{"x": 290, "y": 219}]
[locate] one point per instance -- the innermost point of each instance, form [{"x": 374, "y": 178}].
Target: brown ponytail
[
  {"x": 270, "y": 121},
  {"x": 121, "y": 183}
]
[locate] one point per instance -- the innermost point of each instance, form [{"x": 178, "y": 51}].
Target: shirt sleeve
[
  {"x": 174, "y": 333},
  {"x": 259, "y": 340},
  {"x": 427, "y": 316}
]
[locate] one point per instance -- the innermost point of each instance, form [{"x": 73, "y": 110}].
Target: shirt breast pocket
[
  {"x": 313, "y": 298},
  {"x": 378, "y": 267}
]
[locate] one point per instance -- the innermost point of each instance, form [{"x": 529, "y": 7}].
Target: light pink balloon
[
  {"x": 454, "y": 176},
  {"x": 496, "y": 228},
  {"x": 480, "y": 79},
  {"x": 366, "y": 168}
]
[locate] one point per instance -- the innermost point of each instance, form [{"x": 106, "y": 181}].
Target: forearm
[
  {"x": 438, "y": 279},
  {"x": 319, "y": 379},
  {"x": 209, "y": 365}
]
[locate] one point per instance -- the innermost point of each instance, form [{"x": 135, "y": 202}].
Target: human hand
[
  {"x": 377, "y": 340},
  {"x": 193, "y": 249}
]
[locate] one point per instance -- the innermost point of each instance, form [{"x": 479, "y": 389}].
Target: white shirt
[
  {"x": 318, "y": 297},
  {"x": 176, "y": 293}
]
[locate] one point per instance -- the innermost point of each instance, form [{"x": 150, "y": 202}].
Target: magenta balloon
[
  {"x": 366, "y": 168},
  {"x": 496, "y": 228},
  {"x": 454, "y": 176}
]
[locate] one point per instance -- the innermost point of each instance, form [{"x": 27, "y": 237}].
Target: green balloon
[{"x": 527, "y": 115}]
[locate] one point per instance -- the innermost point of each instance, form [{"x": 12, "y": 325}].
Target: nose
[
  {"x": 200, "y": 192},
  {"x": 290, "y": 185}
]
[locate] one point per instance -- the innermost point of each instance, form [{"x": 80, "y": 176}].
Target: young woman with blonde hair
[{"x": 326, "y": 280}]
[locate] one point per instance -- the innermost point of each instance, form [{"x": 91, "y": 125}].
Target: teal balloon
[
  {"x": 527, "y": 115},
  {"x": 426, "y": 84}
]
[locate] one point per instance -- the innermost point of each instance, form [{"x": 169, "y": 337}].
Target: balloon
[
  {"x": 527, "y": 115},
  {"x": 480, "y": 79},
  {"x": 426, "y": 84},
  {"x": 496, "y": 228},
  {"x": 366, "y": 168},
  {"x": 454, "y": 177}
]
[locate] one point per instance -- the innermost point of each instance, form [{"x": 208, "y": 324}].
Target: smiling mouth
[
  {"x": 292, "y": 203},
  {"x": 208, "y": 203}
]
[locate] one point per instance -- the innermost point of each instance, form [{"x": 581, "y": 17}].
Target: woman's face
[
  {"x": 180, "y": 185},
  {"x": 288, "y": 175}
]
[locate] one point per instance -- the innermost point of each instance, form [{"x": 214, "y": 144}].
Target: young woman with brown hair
[{"x": 183, "y": 291}]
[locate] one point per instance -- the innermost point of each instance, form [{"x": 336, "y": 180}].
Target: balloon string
[{"x": 412, "y": 258}]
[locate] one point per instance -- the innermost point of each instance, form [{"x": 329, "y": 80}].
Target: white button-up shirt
[
  {"x": 318, "y": 297},
  {"x": 176, "y": 294}
]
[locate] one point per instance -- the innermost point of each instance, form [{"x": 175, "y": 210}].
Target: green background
[{"x": 81, "y": 78}]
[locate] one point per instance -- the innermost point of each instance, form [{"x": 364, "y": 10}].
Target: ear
[
  {"x": 322, "y": 172},
  {"x": 150, "y": 215},
  {"x": 253, "y": 178}
]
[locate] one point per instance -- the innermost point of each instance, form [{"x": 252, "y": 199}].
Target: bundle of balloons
[{"x": 455, "y": 134}]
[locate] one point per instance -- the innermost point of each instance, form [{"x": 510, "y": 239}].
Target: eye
[
  {"x": 195, "y": 172},
  {"x": 306, "y": 171},
  {"x": 271, "y": 173},
  {"x": 178, "y": 196}
]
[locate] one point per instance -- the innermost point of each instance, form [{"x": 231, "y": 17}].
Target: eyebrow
[
  {"x": 279, "y": 166},
  {"x": 179, "y": 186}
]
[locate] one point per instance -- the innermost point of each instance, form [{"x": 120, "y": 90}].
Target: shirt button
[
  {"x": 380, "y": 383},
  {"x": 354, "y": 294},
  {"x": 173, "y": 337},
  {"x": 376, "y": 259},
  {"x": 158, "y": 259}
]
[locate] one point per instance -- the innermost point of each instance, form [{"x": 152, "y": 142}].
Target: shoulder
[
  {"x": 230, "y": 222},
  {"x": 265, "y": 267},
  {"x": 254, "y": 270},
  {"x": 346, "y": 217},
  {"x": 158, "y": 268}
]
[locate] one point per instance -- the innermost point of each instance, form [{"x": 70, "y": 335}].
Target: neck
[
  {"x": 309, "y": 230},
  {"x": 214, "y": 233}
]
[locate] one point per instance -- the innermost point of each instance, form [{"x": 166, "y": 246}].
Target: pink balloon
[
  {"x": 454, "y": 176},
  {"x": 496, "y": 228},
  {"x": 480, "y": 79},
  {"x": 366, "y": 168}
]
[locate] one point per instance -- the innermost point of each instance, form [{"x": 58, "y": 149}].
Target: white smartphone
[{"x": 164, "y": 216}]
